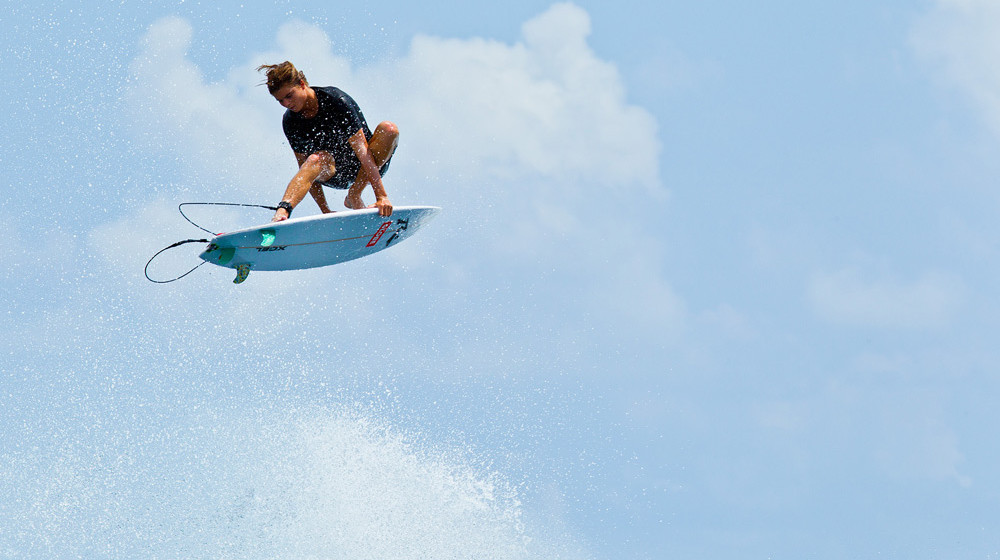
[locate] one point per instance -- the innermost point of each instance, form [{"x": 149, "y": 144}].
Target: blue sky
[{"x": 711, "y": 280}]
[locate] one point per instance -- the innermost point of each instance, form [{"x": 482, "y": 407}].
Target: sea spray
[{"x": 312, "y": 482}]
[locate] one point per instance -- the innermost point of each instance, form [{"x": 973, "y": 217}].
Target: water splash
[{"x": 302, "y": 483}]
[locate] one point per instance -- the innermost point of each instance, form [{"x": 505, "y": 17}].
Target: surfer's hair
[{"x": 281, "y": 75}]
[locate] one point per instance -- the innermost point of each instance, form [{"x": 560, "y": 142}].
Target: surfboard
[{"x": 314, "y": 241}]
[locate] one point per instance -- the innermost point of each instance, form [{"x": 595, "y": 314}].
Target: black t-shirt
[{"x": 337, "y": 119}]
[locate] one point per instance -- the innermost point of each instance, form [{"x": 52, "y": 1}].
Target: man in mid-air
[{"x": 332, "y": 143}]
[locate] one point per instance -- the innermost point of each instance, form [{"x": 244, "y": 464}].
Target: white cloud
[
  {"x": 849, "y": 297},
  {"x": 959, "y": 37},
  {"x": 220, "y": 131},
  {"x": 729, "y": 321},
  {"x": 545, "y": 107},
  {"x": 640, "y": 296},
  {"x": 917, "y": 444}
]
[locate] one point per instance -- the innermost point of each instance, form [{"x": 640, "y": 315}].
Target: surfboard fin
[{"x": 242, "y": 271}]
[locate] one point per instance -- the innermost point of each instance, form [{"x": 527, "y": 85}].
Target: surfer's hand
[
  {"x": 280, "y": 216},
  {"x": 354, "y": 202},
  {"x": 384, "y": 207}
]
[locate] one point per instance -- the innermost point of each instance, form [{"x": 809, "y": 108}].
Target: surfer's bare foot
[{"x": 354, "y": 202}]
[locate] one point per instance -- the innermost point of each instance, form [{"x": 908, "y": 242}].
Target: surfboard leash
[
  {"x": 180, "y": 208},
  {"x": 178, "y": 244}
]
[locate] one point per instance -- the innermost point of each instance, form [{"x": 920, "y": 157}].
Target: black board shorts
[{"x": 346, "y": 175}]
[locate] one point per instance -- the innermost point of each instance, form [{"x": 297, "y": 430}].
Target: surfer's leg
[
  {"x": 383, "y": 142},
  {"x": 381, "y": 146},
  {"x": 320, "y": 197},
  {"x": 317, "y": 167}
]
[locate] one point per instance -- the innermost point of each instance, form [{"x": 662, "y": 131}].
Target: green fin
[
  {"x": 242, "y": 271},
  {"x": 268, "y": 237}
]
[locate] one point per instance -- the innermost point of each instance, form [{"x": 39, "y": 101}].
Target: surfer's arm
[{"x": 359, "y": 144}]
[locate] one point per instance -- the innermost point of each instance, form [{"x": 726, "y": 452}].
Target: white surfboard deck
[{"x": 313, "y": 241}]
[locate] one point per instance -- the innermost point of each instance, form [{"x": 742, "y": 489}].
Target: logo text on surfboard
[{"x": 379, "y": 233}]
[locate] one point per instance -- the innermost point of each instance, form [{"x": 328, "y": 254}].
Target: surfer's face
[{"x": 293, "y": 97}]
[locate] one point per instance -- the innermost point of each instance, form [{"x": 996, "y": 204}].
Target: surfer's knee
[
  {"x": 320, "y": 162},
  {"x": 316, "y": 167},
  {"x": 320, "y": 158},
  {"x": 384, "y": 140},
  {"x": 388, "y": 128}
]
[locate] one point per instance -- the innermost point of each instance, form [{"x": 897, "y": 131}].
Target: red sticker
[{"x": 378, "y": 234}]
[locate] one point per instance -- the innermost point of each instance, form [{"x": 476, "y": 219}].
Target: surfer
[{"x": 332, "y": 143}]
